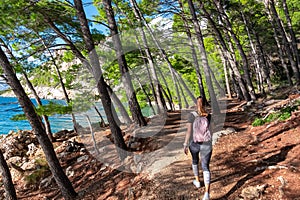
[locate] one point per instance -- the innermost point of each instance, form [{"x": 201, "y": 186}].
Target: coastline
[{"x": 43, "y": 93}]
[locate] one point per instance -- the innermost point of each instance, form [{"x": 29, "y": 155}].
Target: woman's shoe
[
  {"x": 196, "y": 183},
  {"x": 206, "y": 196}
]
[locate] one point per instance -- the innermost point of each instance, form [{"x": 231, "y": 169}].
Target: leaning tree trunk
[
  {"x": 284, "y": 38},
  {"x": 36, "y": 96},
  {"x": 167, "y": 94},
  {"x": 292, "y": 33},
  {"x": 6, "y": 179},
  {"x": 154, "y": 77},
  {"x": 194, "y": 54},
  {"x": 259, "y": 70},
  {"x": 187, "y": 89},
  {"x": 230, "y": 57},
  {"x": 225, "y": 66},
  {"x": 214, "y": 103},
  {"x": 239, "y": 48},
  {"x": 262, "y": 55},
  {"x": 126, "y": 79},
  {"x": 158, "y": 45},
  {"x": 145, "y": 93},
  {"x": 217, "y": 84},
  {"x": 182, "y": 93},
  {"x": 154, "y": 87},
  {"x": 36, "y": 123},
  {"x": 96, "y": 71},
  {"x": 119, "y": 105},
  {"x": 279, "y": 46}
]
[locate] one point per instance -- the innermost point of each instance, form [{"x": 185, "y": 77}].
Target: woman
[{"x": 204, "y": 148}]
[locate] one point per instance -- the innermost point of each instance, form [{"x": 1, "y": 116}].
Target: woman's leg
[
  {"x": 205, "y": 153},
  {"x": 195, "y": 149}
]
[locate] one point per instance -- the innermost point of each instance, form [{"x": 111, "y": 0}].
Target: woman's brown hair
[{"x": 200, "y": 107}]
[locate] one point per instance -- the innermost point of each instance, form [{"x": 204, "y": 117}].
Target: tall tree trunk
[
  {"x": 275, "y": 16},
  {"x": 229, "y": 56},
  {"x": 292, "y": 33},
  {"x": 225, "y": 64},
  {"x": 126, "y": 79},
  {"x": 118, "y": 103},
  {"x": 37, "y": 126},
  {"x": 279, "y": 46},
  {"x": 187, "y": 89},
  {"x": 262, "y": 57},
  {"x": 259, "y": 68},
  {"x": 7, "y": 180},
  {"x": 167, "y": 94},
  {"x": 217, "y": 84},
  {"x": 238, "y": 91},
  {"x": 182, "y": 93},
  {"x": 154, "y": 77},
  {"x": 239, "y": 48},
  {"x": 204, "y": 61},
  {"x": 145, "y": 92},
  {"x": 110, "y": 112},
  {"x": 97, "y": 73},
  {"x": 194, "y": 54},
  {"x": 161, "y": 50},
  {"x": 36, "y": 96},
  {"x": 102, "y": 122}
]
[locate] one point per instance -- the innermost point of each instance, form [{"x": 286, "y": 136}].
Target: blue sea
[{"x": 10, "y": 107}]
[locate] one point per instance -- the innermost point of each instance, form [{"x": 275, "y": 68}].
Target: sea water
[{"x": 9, "y": 107}]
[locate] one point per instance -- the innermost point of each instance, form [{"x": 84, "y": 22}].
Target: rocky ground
[{"x": 248, "y": 162}]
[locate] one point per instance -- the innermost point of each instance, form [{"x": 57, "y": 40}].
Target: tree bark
[
  {"x": 62, "y": 85},
  {"x": 229, "y": 56},
  {"x": 119, "y": 105},
  {"x": 35, "y": 121},
  {"x": 158, "y": 94},
  {"x": 97, "y": 73},
  {"x": 225, "y": 66},
  {"x": 194, "y": 54},
  {"x": 126, "y": 79},
  {"x": 262, "y": 57},
  {"x": 36, "y": 96},
  {"x": 204, "y": 61},
  {"x": 161, "y": 50},
  {"x": 263, "y": 75},
  {"x": 271, "y": 5},
  {"x": 7, "y": 180},
  {"x": 239, "y": 48},
  {"x": 292, "y": 33},
  {"x": 279, "y": 46}
]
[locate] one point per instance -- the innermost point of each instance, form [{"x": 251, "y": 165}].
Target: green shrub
[
  {"x": 258, "y": 122},
  {"x": 283, "y": 114},
  {"x": 272, "y": 117}
]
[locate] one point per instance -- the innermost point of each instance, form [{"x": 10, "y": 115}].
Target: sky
[{"x": 90, "y": 11}]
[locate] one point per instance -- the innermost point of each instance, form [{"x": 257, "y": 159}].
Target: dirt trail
[{"x": 250, "y": 163}]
